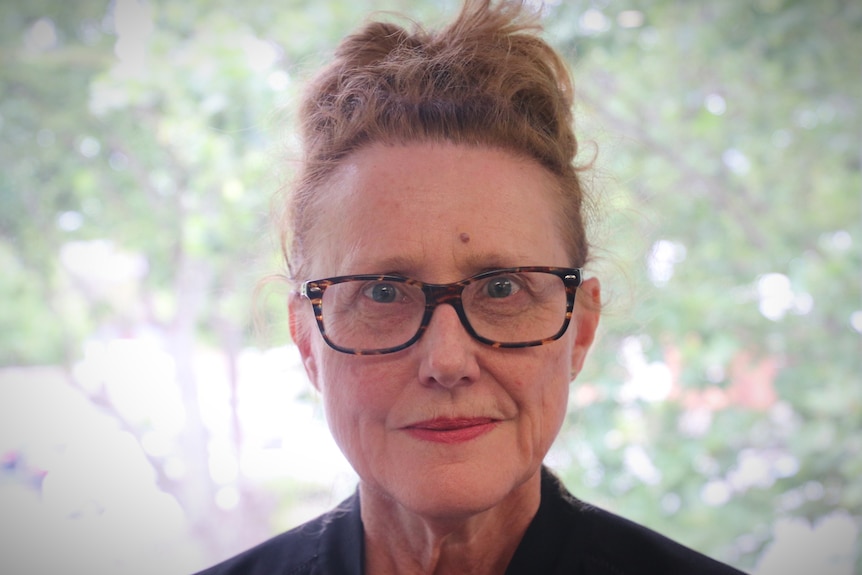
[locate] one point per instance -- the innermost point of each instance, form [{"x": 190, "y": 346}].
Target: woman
[{"x": 436, "y": 244}]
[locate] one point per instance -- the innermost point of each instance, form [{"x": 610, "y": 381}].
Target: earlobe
[
  {"x": 588, "y": 306},
  {"x": 300, "y": 334}
]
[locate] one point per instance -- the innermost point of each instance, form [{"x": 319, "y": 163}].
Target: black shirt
[{"x": 567, "y": 536}]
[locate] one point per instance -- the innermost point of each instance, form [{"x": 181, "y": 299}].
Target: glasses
[{"x": 377, "y": 314}]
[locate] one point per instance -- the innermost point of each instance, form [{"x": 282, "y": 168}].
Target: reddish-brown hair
[{"x": 487, "y": 79}]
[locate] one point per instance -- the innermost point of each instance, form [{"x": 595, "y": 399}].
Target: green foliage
[{"x": 734, "y": 131}]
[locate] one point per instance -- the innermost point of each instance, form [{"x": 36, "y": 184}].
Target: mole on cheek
[{"x": 464, "y": 237}]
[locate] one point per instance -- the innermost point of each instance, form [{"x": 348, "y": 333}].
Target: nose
[{"x": 448, "y": 352}]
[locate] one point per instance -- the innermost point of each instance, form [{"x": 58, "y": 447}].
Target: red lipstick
[{"x": 451, "y": 430}]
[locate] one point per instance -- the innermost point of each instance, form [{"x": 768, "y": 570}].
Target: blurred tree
[
  {"x": 133, "y": 137},
  {"x": 138, "y": 159},
  {"x": 733, "y": 133}
]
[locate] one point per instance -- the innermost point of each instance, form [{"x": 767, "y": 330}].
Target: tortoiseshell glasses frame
[{"x": 437, "y": 294}]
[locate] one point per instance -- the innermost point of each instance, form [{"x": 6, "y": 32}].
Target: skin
[{"x": 440, "y": 213}]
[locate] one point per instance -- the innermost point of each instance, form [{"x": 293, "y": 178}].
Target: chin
[
  {"x": 451, "y": 505},
  {"x": 455, "y": 491}
]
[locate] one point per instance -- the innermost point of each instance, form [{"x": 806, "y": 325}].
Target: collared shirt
[{"x": 566, "y": 536}]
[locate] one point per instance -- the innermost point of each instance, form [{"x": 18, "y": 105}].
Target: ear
[
  {"x": 301, "y": 333},
  {"x": 588, "y": 305}
]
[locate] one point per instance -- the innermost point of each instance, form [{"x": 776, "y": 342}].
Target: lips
[{"x": 451, "y": 430}]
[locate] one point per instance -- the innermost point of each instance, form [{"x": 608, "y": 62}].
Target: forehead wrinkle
[
  {"x": 420, "y": 266},
  {"x": 401, "y": 264},
  {"x": 429, "y": 263},
  {"x": 477, "y": 262},
  {"x": 353, "y": 256}
]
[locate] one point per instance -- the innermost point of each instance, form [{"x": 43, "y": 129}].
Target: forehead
[{"x": 423, "y": 208}]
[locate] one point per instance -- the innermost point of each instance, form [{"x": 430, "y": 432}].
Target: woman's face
[{"x": 440, "y": 213}]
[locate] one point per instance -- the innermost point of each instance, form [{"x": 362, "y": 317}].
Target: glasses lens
[
  {"x": 372, "y": 314},
  {"x": 510, "y": 308},
  {"x": 513, "y": 308}
]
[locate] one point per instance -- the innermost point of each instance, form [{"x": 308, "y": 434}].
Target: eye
[
  {"x": 501, "y": 287},
  {"x": 382, "y": 292}
]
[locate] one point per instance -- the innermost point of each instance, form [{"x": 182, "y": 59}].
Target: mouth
[{"x": 451, "y": 430}]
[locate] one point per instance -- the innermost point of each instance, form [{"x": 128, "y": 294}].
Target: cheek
[
  {"x": 336, "y": 384},
  {"x": 348, "y": 415},
  {"x": 554, "y": 405},
  {"x": 558, "y": 403},
  {"x": 357, "y": 394},
  {"x": 548, "y": 390}
]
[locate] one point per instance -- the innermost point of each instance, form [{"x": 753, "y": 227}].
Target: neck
[{"x": 400, "y": 541}]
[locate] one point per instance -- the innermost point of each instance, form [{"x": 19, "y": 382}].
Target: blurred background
[{"x": 147, "y": 424}]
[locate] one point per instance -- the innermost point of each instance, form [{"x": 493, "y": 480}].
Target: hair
[{"x": 486, "y": 79}]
